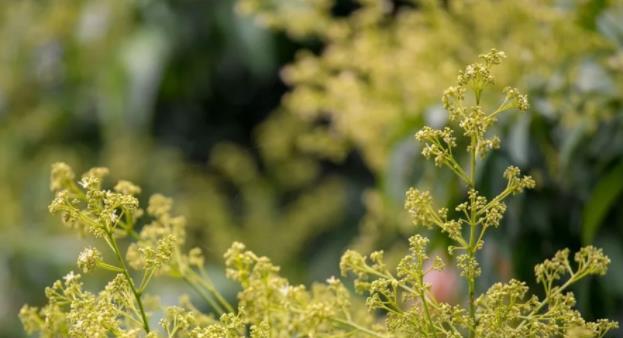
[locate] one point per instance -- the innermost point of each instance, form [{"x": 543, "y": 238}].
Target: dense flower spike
[
  {"x": 420, "y": 207},
  {"x": 270, "y": 306}
]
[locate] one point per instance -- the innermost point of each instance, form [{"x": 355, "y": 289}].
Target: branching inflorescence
[
  {"x": 506, "y": 309},
  {"x": 269, "y": 306}
]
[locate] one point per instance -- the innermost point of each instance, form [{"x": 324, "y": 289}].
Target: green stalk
[
  {"x": 206, "y": 282},
  {"x": 358, "y": 327},
  {"x": 109, "y": 267},
  {"x": 472, "y": 310},
  {"x": 574, "y": 278},
  {"x": 126, "y": 273},
  {"x": 204, "y": 288},
  {"x": 203, "y": 295},
  {"x": 427, "y": 312},
  {"x": 471, "y": 282}
]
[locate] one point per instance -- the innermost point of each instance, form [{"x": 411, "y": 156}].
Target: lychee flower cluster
[
  {"x": 123, "y": 308},
  {"x": 398, "y": 302},
  {"x": 506, "y": 309}
]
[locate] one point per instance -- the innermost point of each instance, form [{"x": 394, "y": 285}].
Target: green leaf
[
  {"x": 600, "y": 202},
  {"x": 589, "y": 12}
]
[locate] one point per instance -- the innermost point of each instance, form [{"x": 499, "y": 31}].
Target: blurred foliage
[
  {"x": 383, "y": 64},
  {"x": 177, "y": 95}
]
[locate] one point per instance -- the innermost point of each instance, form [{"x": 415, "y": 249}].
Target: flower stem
[
  {"x": 358, "y": 327},
  {"x": 203, "y": 295},
  {"x": 472, "y": 309},
  {"x": 206, "y": 282},
  {"x": 574, "y": 278},
  {"x": 126, "y": 273},
  {"x": 427, "y": 312},
  {"x": 471, "y": 250}
]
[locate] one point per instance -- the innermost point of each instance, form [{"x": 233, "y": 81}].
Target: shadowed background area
[{"x": 288, "y": 125}]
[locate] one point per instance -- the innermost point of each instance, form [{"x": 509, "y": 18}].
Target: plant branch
[{"x": 137, "y": 295}]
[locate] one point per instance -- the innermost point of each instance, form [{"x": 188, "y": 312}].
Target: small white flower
[
  {"x": 285, "y": 290},
  {"x": 88, "y": 259},
  {"x": 88, "y": 181},
  {"x": 70, "y": 277},
  {"x": 332, "y": 280},
  {"x": 84, "y": 182},
  {"x": 113, "y": 216}
]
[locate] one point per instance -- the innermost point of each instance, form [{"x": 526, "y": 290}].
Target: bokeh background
[{"x": 288, "y": 124}]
